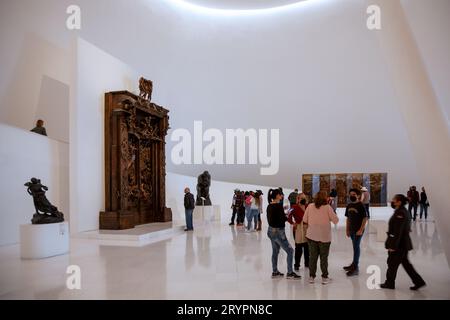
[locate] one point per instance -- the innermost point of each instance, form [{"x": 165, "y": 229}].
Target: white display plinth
[
  {"x": 207, "y": 213},
  {"x": 380, "y": 227},
  {"x": 44, "y": 240}
]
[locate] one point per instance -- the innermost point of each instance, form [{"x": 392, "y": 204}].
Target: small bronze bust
[{"x": 45, "y": 211}]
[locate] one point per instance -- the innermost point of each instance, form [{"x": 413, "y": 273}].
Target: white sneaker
[
  {"x": 326, "y": 280},
  {"x": 311, "y": 280}
]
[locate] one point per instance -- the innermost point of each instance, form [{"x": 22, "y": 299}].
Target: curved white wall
[{"x": 315, "y": 72}]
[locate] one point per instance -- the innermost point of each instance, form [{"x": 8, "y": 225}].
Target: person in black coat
[
  {"x": 189, "y": 205},
  {"x": 398, "y": 244},
  {"x": 423, "y": 204}
]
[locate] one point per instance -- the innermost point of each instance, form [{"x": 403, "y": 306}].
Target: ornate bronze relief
[{"x": 135, "y": 131}]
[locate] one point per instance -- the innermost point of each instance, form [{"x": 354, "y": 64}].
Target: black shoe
[
  {"x": 186, "y": 229},
  {"x": 296, "y": 268},
  {"x": 418, "y": 286},
  {"x": 349, "y": 267},
  {"x": 277, "y": 274},
  {"x": 352, "y": 272},
  {"x": 386, "y": 286},
  {"x": 293, "y": 275},
  {"x": 231, "y": 224}
]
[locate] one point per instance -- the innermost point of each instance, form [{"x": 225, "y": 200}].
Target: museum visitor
[
  {"x": 276, "y": 219},
  {"x": 318, "y": 217},
  {"x": 357, "y": 216},
  {"x": 398, "y": 244},
  {"x": 189, "y": 205},
  {"x": 295, "y": 218}
]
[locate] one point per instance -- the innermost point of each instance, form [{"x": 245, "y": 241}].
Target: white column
[{"x": 423, "y": 118}]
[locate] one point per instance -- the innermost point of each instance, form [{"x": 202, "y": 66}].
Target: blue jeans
[
  {"x": 278, "y": 238},
  {"x": 252, "y": 214},
  {"x": 257, "y": 218},
  {"x": 188, "y": 215},
  {"x": 356, "y": 241}
]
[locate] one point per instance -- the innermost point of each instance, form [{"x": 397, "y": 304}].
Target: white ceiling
[{"x": 241, "y": 4}]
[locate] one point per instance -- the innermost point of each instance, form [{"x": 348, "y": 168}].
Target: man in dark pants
[
  {"x": 398, "y": 244},
  {"x": 356, "y": 222},
  {"x": 240, "y": 208},
  {"x": 235, "y": 206},
  {"x": 423, "y": 204},
  {"x": 189, "y": 205},
  {"x": 413, "y": 199}
]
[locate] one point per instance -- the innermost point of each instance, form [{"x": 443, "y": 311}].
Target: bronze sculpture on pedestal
[
  {"x": 50, "y": 213},
  {"x": 203, "y": 184}
]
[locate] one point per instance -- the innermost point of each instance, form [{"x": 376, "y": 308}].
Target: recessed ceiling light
[{"x": 238, "y": 7}]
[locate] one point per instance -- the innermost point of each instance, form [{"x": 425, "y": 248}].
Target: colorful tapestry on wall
[{"x": 376, "y": 183}]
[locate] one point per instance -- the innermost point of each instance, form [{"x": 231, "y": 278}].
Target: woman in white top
[{"x": 253, "y": 212}]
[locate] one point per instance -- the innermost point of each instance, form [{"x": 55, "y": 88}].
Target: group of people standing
[
  {"x": 247, "y": 205},
  {"x": 415, "y": 200},
  {"x": 311, "y": 225},
  {"x": 312, "y": 233}
]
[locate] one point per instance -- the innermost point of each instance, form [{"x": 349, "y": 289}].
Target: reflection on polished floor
[{"x": 216, "y": 262}]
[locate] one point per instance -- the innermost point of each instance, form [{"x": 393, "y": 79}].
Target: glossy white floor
[{"x": 216, "y": 262}]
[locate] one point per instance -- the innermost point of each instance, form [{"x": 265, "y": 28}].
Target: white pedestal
[
  {"x": 207, "y": 213},
  {"x": 44, "y": 240},
  {"x": 379, "y": 227}
]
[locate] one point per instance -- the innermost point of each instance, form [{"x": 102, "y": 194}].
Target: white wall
[
  {"x": 317, "y": 64},
  {"x": 427, "y": 23},
  {"x": 96, "y": 73},
  {"x": 35, "y": 84},
  {"x": 427, "y": 127},
  {"x": 24, "y": 155}
]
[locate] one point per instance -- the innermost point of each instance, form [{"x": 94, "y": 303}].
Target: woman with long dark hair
[
  {"x": 276, "y": 219},
  {"x": 398, "y": 244}
]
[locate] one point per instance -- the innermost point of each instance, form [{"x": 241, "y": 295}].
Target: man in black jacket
[
  {"x": 413, "y": 202},
  {"x": 423, "y": 204},
  {"x": 189, "y": 205},
  {"x": 398, "y": 244}
]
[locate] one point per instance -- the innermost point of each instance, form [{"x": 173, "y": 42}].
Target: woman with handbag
[{"x": 295, "y": 218}]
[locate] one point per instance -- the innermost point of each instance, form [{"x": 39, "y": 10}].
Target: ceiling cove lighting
[{"x": 186, "y": 5}]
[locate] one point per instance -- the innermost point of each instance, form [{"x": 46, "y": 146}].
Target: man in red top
[{"x": 295, "y": 218}]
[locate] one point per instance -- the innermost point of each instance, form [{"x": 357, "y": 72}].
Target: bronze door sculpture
[{"x": 135, "y": 131}]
